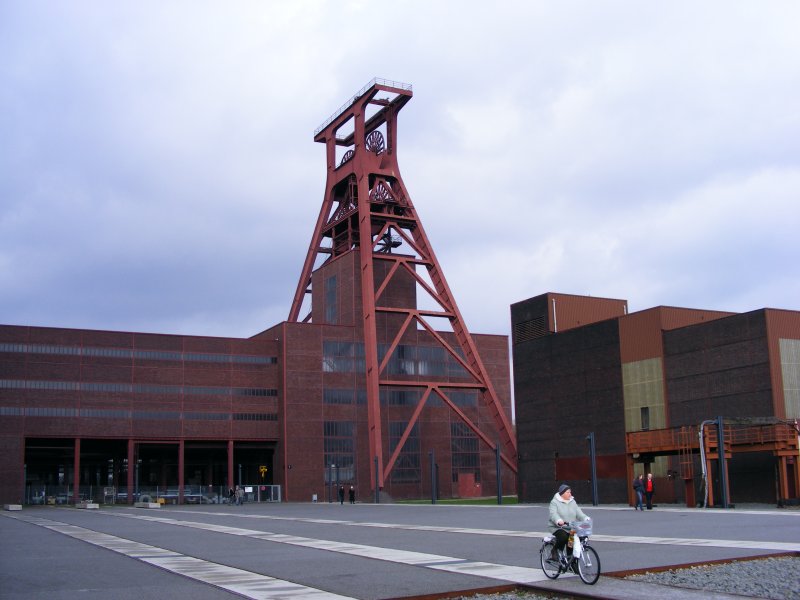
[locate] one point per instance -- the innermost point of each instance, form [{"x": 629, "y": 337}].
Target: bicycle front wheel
[
  {"x": 550, "y": 567},
  {"x": 589, "y": 565}
]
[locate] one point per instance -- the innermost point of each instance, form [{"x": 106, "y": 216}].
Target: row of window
[
  {"x": 436, "y": 361},
  {"x": 135, "y": 388},
  {"x": 340, "y": 451},
  {"x": 18, "y": 411},
  {"x": 399, "y": 397},
  {"x": 138, "y": 354}
]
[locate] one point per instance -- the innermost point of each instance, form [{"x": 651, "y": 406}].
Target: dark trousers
[
  {"x": 649, "y": 500},
  {"x": 561, "y": 538}
]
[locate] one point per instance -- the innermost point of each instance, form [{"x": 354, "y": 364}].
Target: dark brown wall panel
[
  {"x": 151, "y": 341},
  {"x": 575, "y": 311},
  {"x": 719, "y": 368},
  {"x": 104, "y": 428},
  {"x": 158, "y": 375},
  {"x": 566, "y": 386},
  {"x": 12, "y": 451},
  {"x": 14, "y": 333},
  {"x": 206, "y": 345},
  {"x": 147, "y": 429},
  {"x": 47, "y": 335},
  {"x": 106, "y": 339},
  {"x": 50, "y": 371},
  {"x": 213, "y": 376}
]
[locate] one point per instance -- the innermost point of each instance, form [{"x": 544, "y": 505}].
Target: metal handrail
[
  {"x": 735, "y": 435},
  {"x": 346, "y": 105}
]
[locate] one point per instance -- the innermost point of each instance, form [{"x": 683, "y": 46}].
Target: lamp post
[
  {"x": 723, "y": 468},
  {"x": 498, "y": 473},
  {"x": 432, "y": 457},
  {"x": 136, "y": 489},
  {"x": 593, "y": 460},
  {"x": 377, "y": 479}
]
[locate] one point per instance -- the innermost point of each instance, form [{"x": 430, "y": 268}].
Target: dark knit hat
[{"x": 563, "y": 488}]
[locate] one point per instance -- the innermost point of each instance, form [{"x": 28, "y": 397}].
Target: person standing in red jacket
[{"x": 649, "y": 489}]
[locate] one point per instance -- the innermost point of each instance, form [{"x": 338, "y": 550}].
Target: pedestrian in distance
[
  {"x": 341, "y": 494},
  {"x": 231, "y": 496},
  {"x": 239, "y": 495},
  {"x": 638, "y": 488},
  {"x": 352, "y": 495},
  {"x": 649, "y": 490}
]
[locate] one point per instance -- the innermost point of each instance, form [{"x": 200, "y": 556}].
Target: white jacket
[{"x": 566, "y": 510}]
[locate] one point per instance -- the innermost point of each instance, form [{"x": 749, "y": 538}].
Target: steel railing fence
[{"x": 192, "y": 494}]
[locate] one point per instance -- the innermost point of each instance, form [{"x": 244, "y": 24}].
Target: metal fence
[{"x": 192, "y": 494}]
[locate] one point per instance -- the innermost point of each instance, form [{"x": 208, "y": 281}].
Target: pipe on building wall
[
  {"x": 703, "y": 461},
  {"x": 555, "y": 320}
]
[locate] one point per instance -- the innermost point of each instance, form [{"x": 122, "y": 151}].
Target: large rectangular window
[
  {"x": 340, "y": 451},
  {"x": 343, "y": 357},
  {"x": 466, "y": 457},
  {"x": 645, "y": 417},
  {"x": 344, "y": 396},
  {"x": 407, "y": 467},
  {"x": 348, "y": 357},
  {"x": 400, "y": 396}
]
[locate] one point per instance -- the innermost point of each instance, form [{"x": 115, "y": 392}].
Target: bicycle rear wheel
[
  {"x": 589, "y": 565},
  {"x": 550, "y": 567}
]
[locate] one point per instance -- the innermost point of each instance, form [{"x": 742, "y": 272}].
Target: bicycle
[{"x": 583, "y": 560}]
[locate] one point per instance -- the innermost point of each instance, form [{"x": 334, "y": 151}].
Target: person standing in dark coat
[
  {"x": 341, "y": 494},
  {"x": 638, "y": 488},
  {"x": 352, "y": 495}
]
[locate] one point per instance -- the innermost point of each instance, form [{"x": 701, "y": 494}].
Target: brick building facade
[
  {"x": 585, "y": 365},
  {"x": 196, "y": 415}
]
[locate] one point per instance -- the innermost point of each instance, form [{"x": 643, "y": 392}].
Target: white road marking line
[
  {"x": 245, "y": 583},
  {"x": 420, "y": 559},
  {"x": 625, "y": 539}
]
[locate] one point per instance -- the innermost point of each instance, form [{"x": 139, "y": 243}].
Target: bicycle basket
[{"x": 582, "y": 528}]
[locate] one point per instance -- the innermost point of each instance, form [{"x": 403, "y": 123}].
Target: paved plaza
[{"x": 363, "y": 551}]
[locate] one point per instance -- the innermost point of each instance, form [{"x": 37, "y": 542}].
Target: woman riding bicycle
[{"x": 563, "y": 509}]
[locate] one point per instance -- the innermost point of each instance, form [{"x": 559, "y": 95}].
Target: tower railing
[{"x": 375, "y": 81}]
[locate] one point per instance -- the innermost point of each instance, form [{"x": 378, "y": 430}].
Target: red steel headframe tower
[{"x": 367, "y": 209}]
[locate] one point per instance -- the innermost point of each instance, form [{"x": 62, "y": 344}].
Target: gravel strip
[
  {"x": 773, "y": 578},
  {"x": 514, "y": 596}
]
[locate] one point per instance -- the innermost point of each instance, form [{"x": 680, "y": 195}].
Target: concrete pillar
[
  {"x": 181, "y": 466},
  {"x": 76, "y": 472},
  {"x": 230, "y": 464}
]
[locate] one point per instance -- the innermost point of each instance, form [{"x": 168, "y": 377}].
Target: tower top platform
[{"x": 404, "y": 90}]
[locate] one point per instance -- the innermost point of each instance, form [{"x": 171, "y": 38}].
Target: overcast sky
[{"x": 158, "y": 171}]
